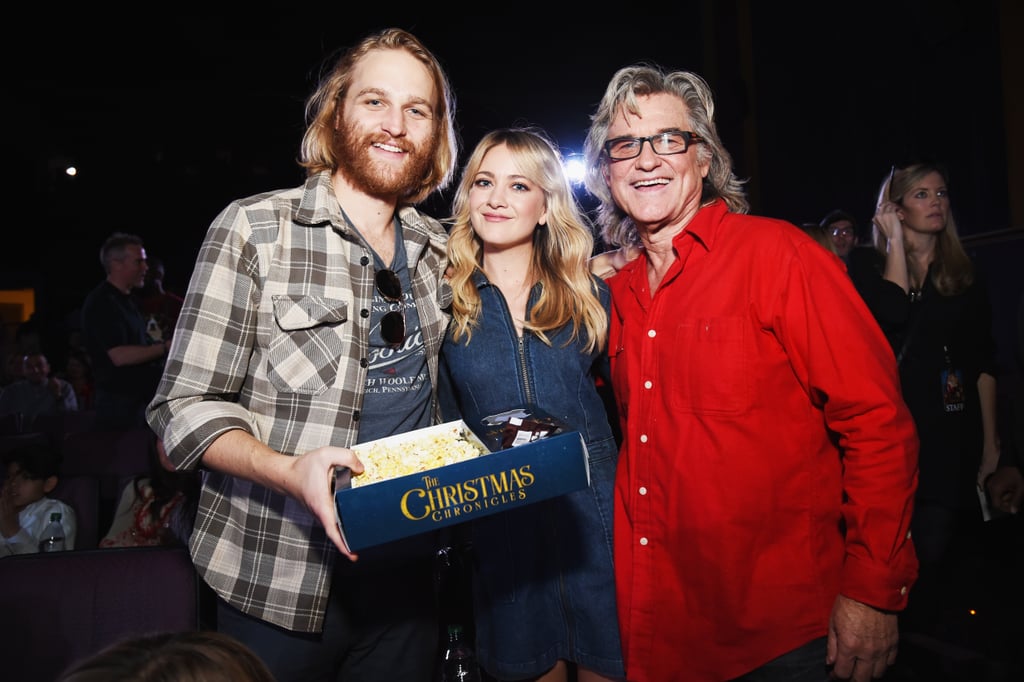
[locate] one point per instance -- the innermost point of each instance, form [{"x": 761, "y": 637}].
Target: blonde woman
[
  {"x": 935, "y": 309},
  {"x": 529, "y": 329}
]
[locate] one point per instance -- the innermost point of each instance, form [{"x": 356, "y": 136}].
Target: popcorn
[{"x": 393, "y": 457}]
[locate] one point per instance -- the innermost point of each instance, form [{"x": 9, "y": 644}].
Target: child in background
[{"x": 30, "y": 474}]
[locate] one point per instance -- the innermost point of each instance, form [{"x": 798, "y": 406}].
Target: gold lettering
[
  {"x": 440, "y": 503},
  {"x": 417, "y": 494}
]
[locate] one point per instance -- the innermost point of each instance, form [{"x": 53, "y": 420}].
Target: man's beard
[{"x": 375, "y": 178}]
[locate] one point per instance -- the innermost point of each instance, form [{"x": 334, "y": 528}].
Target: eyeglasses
[
  {"x": 663, "y": 144},
  {"x": 842, "y": 232},
  {"x": 392, "y": 325}
]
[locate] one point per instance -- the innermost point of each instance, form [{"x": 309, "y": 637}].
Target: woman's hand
[
  {"x": 1005, "y": 488},
  {"x": 606, "y": 264},
  {"x": 887, "y": 220}
]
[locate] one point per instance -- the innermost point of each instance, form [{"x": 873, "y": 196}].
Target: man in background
[
  {"x": 841, "y": 228},
  {"x": 126, "y": 360}
]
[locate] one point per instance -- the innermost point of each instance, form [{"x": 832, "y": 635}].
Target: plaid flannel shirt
[{"x": 273, "y": 339}]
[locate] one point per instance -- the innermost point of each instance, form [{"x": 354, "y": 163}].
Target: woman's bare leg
[
  {"x": 584, "y": 675},
  {"x": 559, "y": 673}
]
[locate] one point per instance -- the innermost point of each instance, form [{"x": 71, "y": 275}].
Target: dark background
[{"x": 169, "y": 118}]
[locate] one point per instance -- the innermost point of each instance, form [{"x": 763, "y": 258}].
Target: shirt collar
[
  {"x": 318, "y": 206},
  {"x": 705, "y": 225}
]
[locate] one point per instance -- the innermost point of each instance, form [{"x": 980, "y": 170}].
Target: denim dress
[{"x": 543, "y": 582}]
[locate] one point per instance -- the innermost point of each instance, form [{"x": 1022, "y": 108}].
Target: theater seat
[
  {"x": 58, "y": 425},
  {"x": 111, "y": 456},
  {"x": 82, "y": 492},
  {"x": 60, "y": 607}
]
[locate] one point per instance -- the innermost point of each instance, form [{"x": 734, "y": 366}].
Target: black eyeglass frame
[
  {"x": 688, "y": 137},
  {"x": 392, "y": 324}
]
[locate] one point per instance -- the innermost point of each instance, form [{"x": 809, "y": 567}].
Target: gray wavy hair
[{"x": 639, "y": 80}]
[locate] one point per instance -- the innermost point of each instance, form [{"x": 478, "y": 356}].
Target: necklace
[{"x": 915, "y": 295}]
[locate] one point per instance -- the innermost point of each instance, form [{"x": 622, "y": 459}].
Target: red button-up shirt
[{"x": 762, "y": 416}]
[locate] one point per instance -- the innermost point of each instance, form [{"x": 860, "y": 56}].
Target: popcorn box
[{"x": 490, "y": 483}]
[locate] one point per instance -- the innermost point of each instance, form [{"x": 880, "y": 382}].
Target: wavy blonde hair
[
  {"x": 317, "y": 153},
  {"x": 561, "y": 248}
]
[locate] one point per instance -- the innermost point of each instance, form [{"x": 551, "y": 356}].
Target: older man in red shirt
[{"x": 768, "y": 464}]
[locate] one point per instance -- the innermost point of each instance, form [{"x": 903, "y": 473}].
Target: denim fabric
[
  {"x": 496, "y": 371},
  {"x": 543, "y": 581}
]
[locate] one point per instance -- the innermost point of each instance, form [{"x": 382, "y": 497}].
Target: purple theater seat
[
  {"x": 82, "y": 492},
  {"x": 60, "y": 607}
]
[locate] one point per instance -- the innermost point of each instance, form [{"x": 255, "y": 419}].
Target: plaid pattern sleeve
[{"x": 270, "y": 340}]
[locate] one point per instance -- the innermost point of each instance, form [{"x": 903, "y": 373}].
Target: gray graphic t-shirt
[{"x": 397, "y": 395}]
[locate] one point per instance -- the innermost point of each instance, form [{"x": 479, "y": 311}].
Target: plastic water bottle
[
  {"x": 459, "y": 662},
  {"x": 52, "y": 539}
]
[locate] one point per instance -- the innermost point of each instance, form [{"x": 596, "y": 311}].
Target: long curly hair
[{"x": 561, "y": 248}]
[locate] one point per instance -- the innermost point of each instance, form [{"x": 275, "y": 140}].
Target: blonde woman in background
[{"x": 934, "y": 307}]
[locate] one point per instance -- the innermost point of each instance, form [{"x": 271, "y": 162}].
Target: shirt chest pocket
[
  {"x": 306, "y": 348},
  {"x": 709, "y": 365}
]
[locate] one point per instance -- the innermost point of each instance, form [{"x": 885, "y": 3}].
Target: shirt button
[
  {"x": 643, "y": 541},
  {"x": 643, "y": 437},
  {"x": 903, "y": 590},
  {"x": 364, "y": 313},
  {"x": 364, "y": 260},
  {"x": 648, "y": 384},
  {"x": 643, "y": 490},
  {"x": 651, "y": 333}
]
